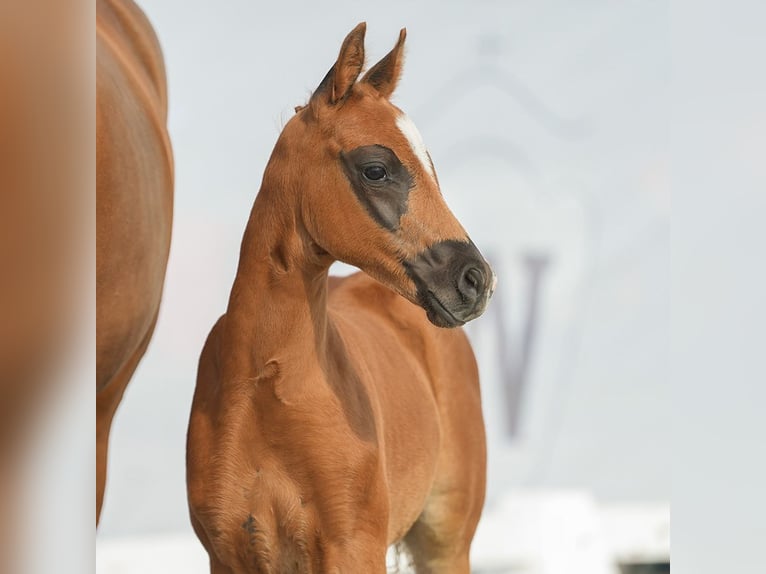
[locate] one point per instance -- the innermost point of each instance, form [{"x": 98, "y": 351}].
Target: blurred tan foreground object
[
  {"x": 46, "y": 202},
  {"x": 134, "y": 204}
]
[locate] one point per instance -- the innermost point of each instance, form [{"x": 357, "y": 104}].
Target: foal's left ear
[
  {"x": 384, "y": 75},
  {"x": 340, "y": 79}
]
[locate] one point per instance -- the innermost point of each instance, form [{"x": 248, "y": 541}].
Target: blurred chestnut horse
[
  {"x": 332, "y": 419},
  {"x": 134, "y": 204}
]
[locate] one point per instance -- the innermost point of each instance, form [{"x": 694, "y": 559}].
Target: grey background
[{"x": 547, "y": 125}]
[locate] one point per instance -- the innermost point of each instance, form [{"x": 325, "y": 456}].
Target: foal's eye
[{"x": 374, "y": 172}]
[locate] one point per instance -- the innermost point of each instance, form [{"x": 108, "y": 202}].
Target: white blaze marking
[{"x": 407, "y": 127}]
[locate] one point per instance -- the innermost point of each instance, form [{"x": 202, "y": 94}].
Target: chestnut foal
[{"x": 331, "y": 419}]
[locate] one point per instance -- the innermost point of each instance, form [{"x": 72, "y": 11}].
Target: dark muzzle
[{"x": 453, "y": 281}]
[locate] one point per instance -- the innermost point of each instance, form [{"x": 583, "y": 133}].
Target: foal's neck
[{"x": 278, "y": 303}]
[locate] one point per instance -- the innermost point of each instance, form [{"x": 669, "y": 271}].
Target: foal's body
[
  {"x": 331, "y": 417},
  {"x": 371, "y": 431}
]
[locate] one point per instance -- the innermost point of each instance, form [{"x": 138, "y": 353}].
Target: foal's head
[{"x": 366, "y": 191}]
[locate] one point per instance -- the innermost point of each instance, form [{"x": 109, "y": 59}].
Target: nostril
[
  {"x": 473, "y": 276},
  {"x": 471, "y": 284}
]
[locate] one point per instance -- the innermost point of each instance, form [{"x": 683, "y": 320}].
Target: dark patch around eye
[{"x": 386, "y": 199}]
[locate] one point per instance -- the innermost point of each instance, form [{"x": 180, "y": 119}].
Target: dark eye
[{"x": 374, "y": 172}]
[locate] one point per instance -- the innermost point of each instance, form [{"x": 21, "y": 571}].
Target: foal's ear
[
  {"x": 384, "y": 75},
  {"x": 341, "y": 77}
]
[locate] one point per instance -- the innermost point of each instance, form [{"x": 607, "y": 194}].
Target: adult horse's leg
[
  {"x": 440, "y": 539},
  {"x": 108, "y": 398}
]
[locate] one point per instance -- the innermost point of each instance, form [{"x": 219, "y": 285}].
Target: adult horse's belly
[{"x": 134, "y": 184}]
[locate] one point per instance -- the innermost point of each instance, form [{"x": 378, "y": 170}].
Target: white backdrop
[{"x": 546, "y": 122}]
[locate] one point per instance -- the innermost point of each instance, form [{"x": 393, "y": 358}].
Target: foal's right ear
[
  {"x": 384, "y": 75},
  {"x": 340, "y": 79}
]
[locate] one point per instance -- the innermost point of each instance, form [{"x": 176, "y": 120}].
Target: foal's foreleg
[
  {"x": 352, "y": 558},
  {"x": 440, "y": 540}
]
